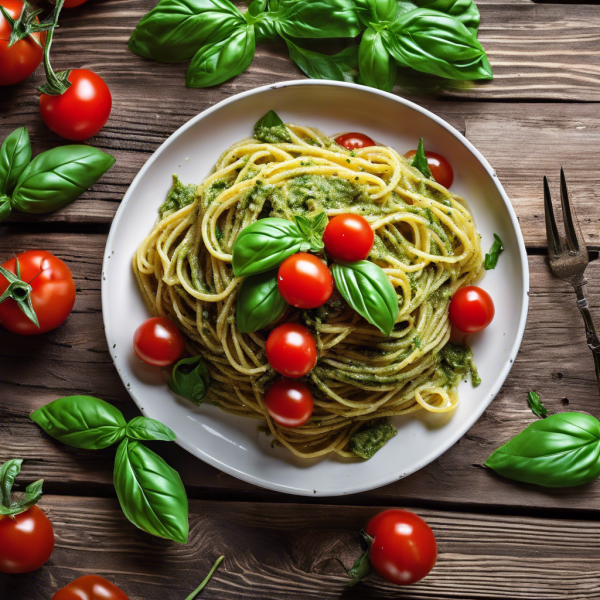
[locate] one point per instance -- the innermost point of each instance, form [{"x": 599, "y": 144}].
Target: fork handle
[{"x": 590, "y": 331}]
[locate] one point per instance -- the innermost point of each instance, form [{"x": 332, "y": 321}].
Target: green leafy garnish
[
  {"x": 313, "y": 229},
  {"x": 491, "y": 259},
  {"x": 190, "y": 379},
  {"x": 21, "y": 502},
  {"x": 536, "y": 405},
  {"x": 271, "y": 129},
  {"x": 259, "y": 302},
  {"x": 420, "y": 161}
]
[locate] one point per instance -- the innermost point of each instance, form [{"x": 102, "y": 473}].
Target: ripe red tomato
[
  {"x": 73, "y": 3},
  {"x": 471, "y": 309},
  {"x": 289, "y": 402},
  {"x": 348, "y": 237},
  {"x": 304, "y": 281},
  {"x": 26, "y": 542},
  {"x": 20, "y": 60},
  {"x": 440, "y": 168},
  {"x": 82, "y": 111},
  {"x": 158, "y": 342},
  {"x": 52, "y": 295},
  {"x": 354, "y": 140},
  {"x": 90, "y": 587},
  {"x": 404, "y": 549},
  {"x": 291, "y": 350}
]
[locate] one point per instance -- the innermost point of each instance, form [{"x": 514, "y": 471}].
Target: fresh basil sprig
[
  {"x": 312, "y": 229},
  {"x": 491, "y": 259},
  {"x": 562, "y": 450},
  {"x": 420, "y": 161},
  {"x": 535, "y": 403},
  {"x": 190, "y": 379},
  {"x": 21, "y": 502}
]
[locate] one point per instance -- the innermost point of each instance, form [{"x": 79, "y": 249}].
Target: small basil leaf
[
  {"x": 8, "y": 473},
  {"x": 491, "y": 259},
  {"x": 367, "y": 289},
  {"x": 5, "y": 207},
  {"x": 81, "y": 422},
  {"x": 265, "y": 244},
  {"x": 376, "y": 11},
  {"x": 259, "y": 302},
  {"x": 312, "y": 230},
  {"x": 150, "y": 492},
  {"x": 15, "y": 155},
  {"x": 143, "y": 428},
  {"x": 535, "y": 403},
  {"x": 257, "y": 7},
  {"x": 360, "y": 569},
  {"x": 377, "y": 67},
  {"x": 174, "y": 29},
  {"x": 420, "y": 161},
  {"x": 56, "y": 177},
  {"x": 560, "y": 451},
  {"x": 216, "y": 63},
  {"x": 190, "y": 379},
  {"x": 271, "y": 129},
  {"x": 22, "y": 501}
]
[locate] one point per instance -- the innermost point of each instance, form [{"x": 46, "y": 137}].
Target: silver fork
[{"x": 569, "y": 258}]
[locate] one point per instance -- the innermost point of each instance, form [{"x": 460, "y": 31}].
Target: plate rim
[{"x": 473, "y": 417}]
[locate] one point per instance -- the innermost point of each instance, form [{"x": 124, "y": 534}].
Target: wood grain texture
[
  {"x": 554, "y": 360},
  {"x": 281, "y": 552}
]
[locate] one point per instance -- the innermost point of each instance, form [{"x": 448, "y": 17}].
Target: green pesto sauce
[
  {"x": 456, "y": 362},
  {"x": 214, "y": 189},
  {"x": 273, "y": 135},
  {"x": 180, "y": 195},
  {"x": 374, "y": 436}
]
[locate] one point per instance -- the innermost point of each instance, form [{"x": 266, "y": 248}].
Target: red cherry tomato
[
  {"x": 304, "y": 281},
  {"x": 354, "y": 140},
  {"x": 403, "y": 549},
  {"x": 289, "y": 402},
  {"x": 26, "y": 542},
  {"x": 291, "y": 350},
  {"x": 348, "y": 237},
  {"x": 90, "y": 587},
  {"x": 73, "y": 3},
  {"x": 22, "y": 58},
  {"x": 82, "y": 111},
  {"x": 471, "y": 309},
  {"x": 440, "y": 168},
  {"x": 52, "y": 295},
  {"x": 158, "y": 342}
]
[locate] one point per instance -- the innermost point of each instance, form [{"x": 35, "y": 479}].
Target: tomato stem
[
  {"x": 25, "y": 24},
  {"x": 206, "y": 580},
  {"x": 56, "y": 83},
  {"x": 19, "y": 291}
]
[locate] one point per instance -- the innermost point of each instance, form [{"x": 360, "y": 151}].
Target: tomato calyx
[
  {"x": 362, "y": 566},
  {"x": 33, "y": 492},
  {"x": 25, "y": 24},
  {"x": 56, "y": 83},
  {"x": 19, "y": 291}
]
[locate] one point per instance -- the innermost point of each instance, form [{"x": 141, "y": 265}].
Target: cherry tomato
[
  {"x": 26, "y": 542},
  {"x": 158, "y": 342},
  {"x": 440, "y": 168},
  {"x": 22, "y": 58},
  {"x": 52, "y": 295},
  {"x": 354, "y": 140},
  {"x": 90, "y": 587},
  {"x": 348, "y": 237},
  {"x": 403, "y": 549},
  {"x": 291, "y": 350},
  {"x": 471, "y": 309},
  {"x": 82, "y": 111},
  {"x": 304, "y": 281},
  {"x": 289, "y": 402},
  {"x": 73, "y": 3}
]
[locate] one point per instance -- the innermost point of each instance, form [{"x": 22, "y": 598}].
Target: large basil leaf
[
  {"x": 367, "y": 289},
  {"x": 190, "y": 379},
  {"x": 56, "y": 177},
  {"x": 216, "y": 63},
  {"x": 150, "y": 492},
  {"x": 432, "y": 42},
  {"x": 376, "y": 11},
  {"x": 144, "y": 428},
  {"x": 465, "y": 11},
  {"x": 81, "y": 422},
  {"x": 259, "y": 302},
  {"x": 562, "y": 450},
  {"x": 175, "y": 29},
  {"x": 15, "y": 154},
  {"x": 377, "y": 67},
  {"x": 22, "y": 502}
]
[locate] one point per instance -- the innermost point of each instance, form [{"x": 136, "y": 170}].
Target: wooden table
[{"x": 497, "y": 539}]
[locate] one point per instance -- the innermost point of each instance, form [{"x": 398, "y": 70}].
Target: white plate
[{"x": 233, "y": 444}]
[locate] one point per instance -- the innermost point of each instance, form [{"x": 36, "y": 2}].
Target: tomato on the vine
[
  {"x": 354, "y": 140},
  {"x": 90, "y": 587},
  {"x": 304, "y": 281},
  {"x": 291, "y": 350},
  {"x": 348, "y": 237},
  {"x": 158, "y": 342},
  {"x": 440, "y": 168},
  {"x": 289, "y": 402},
  {"x": 471, "y": 309}
]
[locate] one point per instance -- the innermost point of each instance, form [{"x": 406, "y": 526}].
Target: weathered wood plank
[
  {"x": 280, "y": 552},
  {"x": 554, "y": 360}
]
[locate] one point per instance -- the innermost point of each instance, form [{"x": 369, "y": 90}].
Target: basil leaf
[
  {"x": 144, "y": 428},
  {"x": 81, "y": 422},
  {"x": 271, "y": 129},
  {"x": 377, "y": 67},
  {"x": 367, "y": 289},
  {"x": 376, "y": 11},
  {"x": 8, "y": 473},
  {"x": 535, "y": 403},
  {"x": 360, "y": 569},
  {"x": 174, "y": 29},
  {"x": 342, "y": 66},
  {"x": 491, "y": 259},
  {"x": 432, "y": 42},
  {"x": 15, "y": 155},
  {"x": 265, "y": 244},
  {"x": 216, "y": 63},
  {"x": 420, "y": 161},
  {"x": 259, "y": 302},
  {"x": 465, "y": 11},
  {"x": 190, "y": 379},
  {"x": 560, "y": 451},
  {"x": 150, "y": 492},
  {"x": 257, "y": 7},
  {"x": 312, "y": 230},
  {"x": 33, "y": 492},
  {"x": 56, "y": 177}
]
